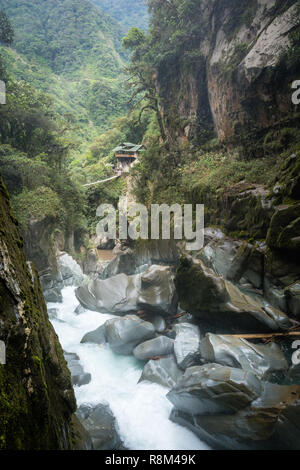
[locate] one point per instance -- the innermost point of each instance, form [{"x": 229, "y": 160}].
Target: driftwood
[{"x": 265, "y": 335}]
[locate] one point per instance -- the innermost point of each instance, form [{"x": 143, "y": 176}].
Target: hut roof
[{"x": 129, "y": 147}]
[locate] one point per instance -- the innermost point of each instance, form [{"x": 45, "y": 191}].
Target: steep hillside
[
  {"x": 233, "y": 68},
  {"x": 128, "y": 13},
  {"x": 220, "y": 83},
  {"x": 71, "y": 50}
]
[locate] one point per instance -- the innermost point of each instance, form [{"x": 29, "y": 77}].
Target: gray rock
[
  {"x": 152, "y": 291},
  {"x": 275, "y": 294},
  {"x": 271, "y": 422},
  {"x": 161, "y": 346},
  {"x": 224, "y": 257},
  {"x": 164, "y": 372},
  {"x": 222, "y": 304},
  {"x": 100, "y": 423},
  {"x": 53, "y": 295},
  {"x": 157, "y": 292},
  {"x": 91, "y": 263},
  {"x": 70, "y": 270},
  {"x": 212, "y": 389},
  {"x": 255, "y": 269},
  {"x": 79, "y": 377},
  {"x": 97, "y": 336},
  {"x": 186, "y": 346},
  {"x": 264, "y": 360},
  {"x": 123, "y": 263},
  {"x": 52, "y": 312},
  {"x": 293, "y": 375},
  {"x": 159, "y": 323},
  {"x": 124, "y": 334},
  {"x": 116, "y": 295},
  {"x": 293, "y": 298},
  {"x": 79, "y": 310}
]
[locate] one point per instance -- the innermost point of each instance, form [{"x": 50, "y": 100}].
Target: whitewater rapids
[{"x": 141, "y": 410}]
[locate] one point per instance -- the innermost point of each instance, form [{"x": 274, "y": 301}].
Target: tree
[
  {"x": 142, "y": 76},
  {"x": 6, "y": 30}
]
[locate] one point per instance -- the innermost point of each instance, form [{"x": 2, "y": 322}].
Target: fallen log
[{"x": 265, "y": 335}]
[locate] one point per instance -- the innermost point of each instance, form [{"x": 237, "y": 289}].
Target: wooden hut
[{"x": 126, "y": 154}]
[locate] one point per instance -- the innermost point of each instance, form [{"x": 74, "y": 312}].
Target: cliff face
[
  {"x": 239, "y": 78},
  {"x": 36, "y": 395}
]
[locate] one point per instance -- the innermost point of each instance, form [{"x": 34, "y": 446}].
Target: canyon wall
[
  {"x": 237, "y": 81},
  {"x": 36, "y": 395}
]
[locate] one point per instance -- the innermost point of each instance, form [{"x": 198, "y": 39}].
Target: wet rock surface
[
  {"x": 213, "y": 389},
  {"x": 79, "y": 377},
  {"x": 97, "y": 336},
  {"x": 262, "y": 360},
  {"x": 186, "y": 345},
  {"x": 159, "y": 323},
  {"x": 152, "y": 291},
  {"x": 157, "y": 291},
  {"x": 124, "y": 334},
  {"x": 221, "y": 303},
  {"x": 268, "y": 421},
  {"x": 100, "y": 424},
  {"x": 70, "y": 270},
  {"x": 157, "y": 347},
  {"x": 163, "y": 371}
]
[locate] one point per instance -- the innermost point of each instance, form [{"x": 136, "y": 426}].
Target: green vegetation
[
  {"x": 34, "y": 156},
  {"x": 128, "y": 13},
  {"x": 245, "y": 11},
  {"x": 72, "y": 51}
]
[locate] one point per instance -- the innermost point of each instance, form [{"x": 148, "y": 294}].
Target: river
[{"x": 141, "y": 410}]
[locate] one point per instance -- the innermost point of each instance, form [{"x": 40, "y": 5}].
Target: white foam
[{"x": 141, "y": 410}]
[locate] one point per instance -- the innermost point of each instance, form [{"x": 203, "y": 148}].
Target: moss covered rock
[
  {"x": 36, "y": 395},
  {"x": 284, "y": 231}
]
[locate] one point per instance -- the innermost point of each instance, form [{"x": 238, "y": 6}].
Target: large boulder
[
  {"x": 157, "y": 347},
  {"x": 222, "y": 304},
  {"x": 97, "y": 336},
  {"x": 157, "y": 292},
  {"x": 186, "y": 345},
  {"x": 271, "y": 422},
  {"x": 212, "y": 389},
  {"x": 264, "y": 360},
  {"x": 79, "y": 377},
  {"x": 152, "y": 291},
  {"x": 116, "y": 295},
  {"x": 284, "y": 231},
  {"x": 163, "y": 371},
  {"x": 70, "y": 270},
  {"x": 122, "y": 263},
  {"x": 233, "y": 260},
  {"x": 124, "y": 334},
  {"x": 91, "y": 264},
  {"x": 100, "y": 424}
]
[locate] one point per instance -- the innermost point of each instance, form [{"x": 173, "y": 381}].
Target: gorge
[{"x": 149, "y": 344}]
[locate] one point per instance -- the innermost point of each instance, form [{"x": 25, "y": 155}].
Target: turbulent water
[{"x": 141, "y": 410}]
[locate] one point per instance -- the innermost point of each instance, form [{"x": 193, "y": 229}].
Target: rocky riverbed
[{"x": 154, "y": 342}]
